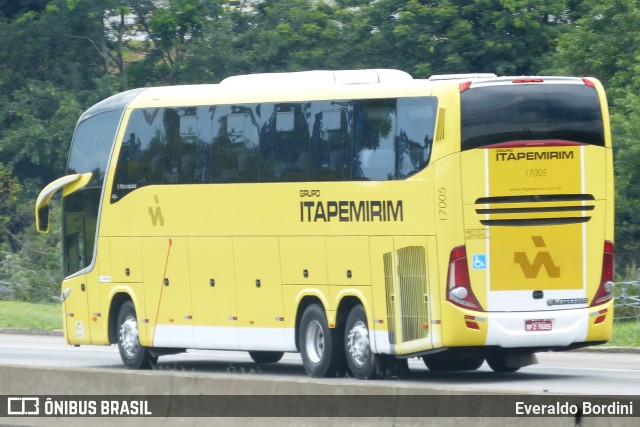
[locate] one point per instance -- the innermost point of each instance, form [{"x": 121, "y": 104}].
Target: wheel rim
[
  {"x": 129, "y": 337},
  {"x": 314, "y": 342},
  {"x": 358, "y": 344}
]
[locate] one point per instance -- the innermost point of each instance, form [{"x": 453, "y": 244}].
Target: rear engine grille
[
  {"x": 410, "y": 303},
  {"x": 545, "y": 209}
]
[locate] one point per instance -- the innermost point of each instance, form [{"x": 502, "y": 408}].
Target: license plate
[{"x": 538, "y": 325}]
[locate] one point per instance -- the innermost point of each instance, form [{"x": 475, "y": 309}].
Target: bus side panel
[
  {"x": 126, "y": 260},
  {"x": 303, "y": 260},
  {"x": 213, "y": 292},
  {"x": 450, "y": 233},
  {"x": 167, "y": 291},
  {"x": 382, "y": 325},
  {"x": 101, "y": 286},
  {"x": 348, "y": 261},
  {"x": 76, "y": 310},
  {"x": 259, "y": 293},
  {"x": 292, "y": 297},
  {"x": 435, "y": 292}
]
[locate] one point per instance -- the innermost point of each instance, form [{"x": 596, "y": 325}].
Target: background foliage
[{"x": 58, "y": 57}]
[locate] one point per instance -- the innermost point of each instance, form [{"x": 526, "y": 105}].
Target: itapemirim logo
[{"x": 530, "y": 269}]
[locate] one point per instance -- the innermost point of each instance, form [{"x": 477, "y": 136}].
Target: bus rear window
[{"x": 526, "y": 112}]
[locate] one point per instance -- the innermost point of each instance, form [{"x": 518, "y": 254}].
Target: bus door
[{"x": 75, "y": 290}]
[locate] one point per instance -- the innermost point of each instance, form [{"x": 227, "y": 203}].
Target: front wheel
[
  {"x": 320, "y": 347},
  {"x": 363, "y": 363},
  {"x": 133, "y": 355}
]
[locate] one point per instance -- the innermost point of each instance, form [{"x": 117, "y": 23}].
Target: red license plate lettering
[{"x": 538, "y": 325}]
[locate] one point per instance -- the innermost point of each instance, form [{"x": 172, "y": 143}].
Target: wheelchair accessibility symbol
[{"x": 479, "y": 262}]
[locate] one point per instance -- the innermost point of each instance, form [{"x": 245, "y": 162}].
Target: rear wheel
[
  {"x": 499, "y": 364},
  {"x": 320, "y": 347},
  {"x": 133, "y": 355},
  {"x": 266, "y": 356},
  {"x": 363, "y": 363},
  {"x": 472, "y": 363}
]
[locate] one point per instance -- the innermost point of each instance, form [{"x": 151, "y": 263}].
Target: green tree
[
  {"x": 38, "y": 125},
  {"x": 9, "y": 189},
  {"x": 457, "y": 36},
  {"x": 276, "y": 35},
  {"x": 168, "y": 31},
  {"x": 606, "y": 44}
]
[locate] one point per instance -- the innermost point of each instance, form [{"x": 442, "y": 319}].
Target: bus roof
[
  {"x": 284, "y": 87},
  {"x": 368, "y": 76},
  {"x": 487, "y": 79},
  {"x": 233, "y": 92}
]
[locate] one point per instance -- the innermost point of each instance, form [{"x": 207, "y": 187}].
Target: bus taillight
[
  {"x": 528, "y": 81},
  {"x": 605, "y": 290},
  {"x": 458, "y": 284},
  {"x": 464, "y": 86}
]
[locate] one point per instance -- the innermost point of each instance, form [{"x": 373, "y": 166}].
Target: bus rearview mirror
[{"x": 42, "y": 219}]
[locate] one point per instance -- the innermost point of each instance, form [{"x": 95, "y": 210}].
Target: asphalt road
[{"x": 577, "y": 372}]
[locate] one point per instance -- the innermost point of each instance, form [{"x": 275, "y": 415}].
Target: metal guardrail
[{"x": 627, "y": 301}]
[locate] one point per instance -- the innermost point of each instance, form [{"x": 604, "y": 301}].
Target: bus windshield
[
  {"x": 90, "y": 152},
  {"x": 531, "y": 112}
]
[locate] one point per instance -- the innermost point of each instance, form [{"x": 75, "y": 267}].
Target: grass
[
  {"x": 15, "y": 314},
  {"x": 625, "y": 334}
]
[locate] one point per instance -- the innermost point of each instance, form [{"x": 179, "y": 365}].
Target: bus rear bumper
[
  {"x": 512, "y": 330},
  {"x": 555, "y": 329},
  {"x": 560, "y": 328}
]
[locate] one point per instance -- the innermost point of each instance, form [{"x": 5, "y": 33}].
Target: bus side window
[
  {"x": 234, "y": 154},
  {"x": 172, "y": 145},
  {"x": 374, "y": 140},
  {"x": 284, "y": 144},
  {"x": 416, "y": 126},
  {"x": 331, "y": 140},
  {"x": 140, "y": 161},
  {"x": 192, "y": 160}
]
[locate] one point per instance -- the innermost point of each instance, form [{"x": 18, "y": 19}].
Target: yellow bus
[{"x": 358, "y": 217}]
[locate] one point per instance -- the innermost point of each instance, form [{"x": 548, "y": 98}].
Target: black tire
[
  {"x": 133, "y": 355},
  {"x": 472, "y": 363},
  {"x": 266, "y": 356},
  {"x": 498, "y": 364},
  {"x": 320, "y": 347},
  {"x": 396, "y": 367},
  {"x": 363, "y": 363},
  {"x": 436, "y": 364},
  {"x": 440, "y": 364}
]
